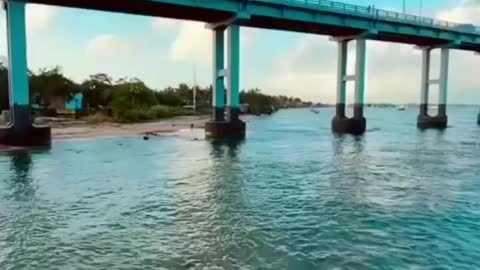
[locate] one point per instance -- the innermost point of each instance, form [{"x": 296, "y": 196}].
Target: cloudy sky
[{"x": 165, "y": 52}]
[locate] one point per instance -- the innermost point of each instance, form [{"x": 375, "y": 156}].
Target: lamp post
[{"x": 194, "y": 101}]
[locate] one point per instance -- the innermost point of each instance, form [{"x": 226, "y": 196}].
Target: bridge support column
[
  {"x": 340, "y": 123},
  {"x": 229, "y": 127},
  {"x": 20, "y": 131},
  {"x": 425, "y": 121}
]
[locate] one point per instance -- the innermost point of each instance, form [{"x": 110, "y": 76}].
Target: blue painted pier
[{"x": 343, "y": 22}]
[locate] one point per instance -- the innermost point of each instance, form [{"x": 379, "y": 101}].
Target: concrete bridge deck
[{"x": 307, "y": 16}]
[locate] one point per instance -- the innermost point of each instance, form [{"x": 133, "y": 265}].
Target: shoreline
[
  {"x": 75, "y": 131},
  {"x": 71, "y": 130}
]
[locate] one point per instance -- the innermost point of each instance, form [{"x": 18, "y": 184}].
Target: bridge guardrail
[{"x": 326, "y": 5}]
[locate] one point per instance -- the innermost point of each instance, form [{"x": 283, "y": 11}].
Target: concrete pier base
[
  {"x": 22, "y": 133},
  {"x": 344, "y": 125},
  {"x": 31, "y": 136},
  {"x": 226, "y": 130},
  {"x": 432, "y": 122},
  {"x": 425, "y": 121}
]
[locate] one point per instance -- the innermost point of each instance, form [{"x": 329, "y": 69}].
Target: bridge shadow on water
[
  {"x": 219, "y": 197},
  {"x": 20, "y": 179},
  {"x": 348, "y": 159},
  {"x": 221, "y": 147}
]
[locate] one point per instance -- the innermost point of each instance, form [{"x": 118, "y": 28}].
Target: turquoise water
[{"x": 292, "y": 196}]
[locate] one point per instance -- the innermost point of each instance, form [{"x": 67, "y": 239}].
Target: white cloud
[
  {"x": 468, "y": 11},
  {"x": 194, "y": 42},
  {"x": 39, "y": 17},
  {"x": 162, "y": 24},
  {"x": 109, "y": 45},
  {"x": 393, "y": 72},
  {"x": 309, "y": 69},
  {"x": 4, "y": 60},
  {"x": 249, "y": 36}
]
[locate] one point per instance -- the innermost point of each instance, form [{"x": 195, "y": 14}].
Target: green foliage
[
  {"x": 182, "y": 95},
  {"x": 97, "y": 91},
  {"x": 49, "y": 87},
  {"x": 169, "y": 97},
  {"x": 260, "y": 103},
  {"x": 148, "y": 114},
  {"x": 161, "y": 111},
  {"x": 264, "y": 104},
  {"x": 97, "y": 118},
  {"x": 128, "y": 100},
  {"x": 135, "y": 115}
]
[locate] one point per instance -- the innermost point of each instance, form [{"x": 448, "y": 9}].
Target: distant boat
[
  {"x": 314, "y": 111},
  {"x": 401, "y": 108}
]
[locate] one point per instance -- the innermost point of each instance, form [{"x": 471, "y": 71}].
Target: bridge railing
[{"x": 326, "y": 5}]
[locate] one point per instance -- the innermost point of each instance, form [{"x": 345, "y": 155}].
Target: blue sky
[{"x": 164, "y": 52}]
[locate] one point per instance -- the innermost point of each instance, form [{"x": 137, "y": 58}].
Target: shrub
[
  {"x": 136, "y": 115},
  {"x": 152, "y": 113},
  {"x": 161, "y": 111},
  {"x": 97, "y": 118}
]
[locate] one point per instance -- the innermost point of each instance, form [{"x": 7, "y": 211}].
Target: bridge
[{"x": 344, "y": 23}]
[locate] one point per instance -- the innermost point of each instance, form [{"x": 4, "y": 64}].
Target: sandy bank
[{"x": 78, "y": 130}]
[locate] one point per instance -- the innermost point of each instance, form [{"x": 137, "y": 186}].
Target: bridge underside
[
  {"x": 211, "y": 15},
  {"x": 147, "y": 8},
  {"x": 331, "y": 30}
]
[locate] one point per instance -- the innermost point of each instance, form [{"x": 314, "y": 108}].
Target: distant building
[{"x": 76, "y": 103}]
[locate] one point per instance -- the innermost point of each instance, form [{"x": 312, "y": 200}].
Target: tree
[
  {"x": 131, "y": 94},
  {"x": 185, "y": 93},
  {"x": 97, "y": 91},
  {"x": 50, "y": 88},
  {"x": 169, "y": 97},
  {"x": 258, "y": 102}
]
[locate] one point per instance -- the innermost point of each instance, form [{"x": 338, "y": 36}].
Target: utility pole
[
  {"x": 195, "y": 87},
  {"x": 404, "y": 6},
  {"x": 421, "y": 8}
]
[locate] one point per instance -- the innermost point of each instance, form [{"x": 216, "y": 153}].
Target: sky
[{"x": 164, "y": 52}]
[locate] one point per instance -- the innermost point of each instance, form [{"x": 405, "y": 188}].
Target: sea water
[{"x": 291, "y": 196}]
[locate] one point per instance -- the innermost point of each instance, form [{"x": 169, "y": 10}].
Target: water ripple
[{"x": 292, "y": 196}]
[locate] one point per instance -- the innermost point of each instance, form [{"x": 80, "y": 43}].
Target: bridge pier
[
  {"x": 425, "y": 121},
  {"x": 340, "y": 123},
  {"x": 226, "y": 123},
  {"x": 20, "y": 131}
]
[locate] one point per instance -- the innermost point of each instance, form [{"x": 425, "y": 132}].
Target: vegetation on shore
[{"x": 128, "y": 100}]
